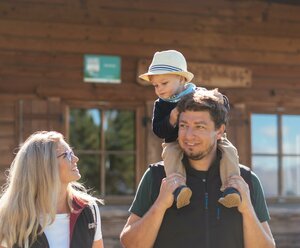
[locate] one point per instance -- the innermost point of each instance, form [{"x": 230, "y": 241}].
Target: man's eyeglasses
[{"x": 67, "y": 154}]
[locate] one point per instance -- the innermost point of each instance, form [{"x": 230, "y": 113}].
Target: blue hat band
[{"x": 164, "y": 68}]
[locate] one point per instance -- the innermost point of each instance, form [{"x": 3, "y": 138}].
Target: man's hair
[{"x": 206, "y": 100}]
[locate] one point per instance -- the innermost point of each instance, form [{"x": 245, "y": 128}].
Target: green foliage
[
  {"x": 119, "y": 131},
  {"x": 119, "y": 134}
]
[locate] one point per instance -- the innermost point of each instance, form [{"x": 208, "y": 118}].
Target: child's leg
[
  {"x": 229, "y": 166},
  {"x": 172, "y": 156}
]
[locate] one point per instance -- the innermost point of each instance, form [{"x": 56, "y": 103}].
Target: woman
[{"x": 42, "y": 205}]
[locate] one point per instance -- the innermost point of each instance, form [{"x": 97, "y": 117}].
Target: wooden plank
[
  {"x": 47, "y": 2},
  {"x": 42, "y": 12},
  {"x": 18, "y": 85},
  {"x": 249, "y": 10},
  {"x": 153, "y": 143},
  {"x": 205, "y": 8},
  {"x": 7, "y": 112},
  {"x": 38, "y": 75},
  {"x": 135, "y": 35},
  {"x": 12, "y": 84},
  {"x": 285, "y": 97},
  {"x": 146, "y": 19},
  {"x": 26, "y": 130},
  {"x": 6, "y": 158},
  {"x": 94, "y": 92},
  {"x": 282, "y": 96},
  {"x": 288, "y": 13},
  {"x": 54, "y": 106},
  {"x": 3, "y": 173},
  {"x": 201, "y": 54},
  {"x": 275, "y": 71},
  {"x": 39, "y": 125},
  {"x": 28, "y": 71},
  {"x": 18, "y": 66},
  {"x": 237, "y": 128},
  {"x": 38, "y": 106},
  {"x": 28, "y": 79},
  {"x": 7, "y": 144},
  {"x": 70, "y": 89},
  {"x": 41, "y": 115},
  {"x": 7, "y": 129},
  {"x": 38, "y": 59},
  {"x": 276, "y": 83},
  {"x": 4, "y": 97},
  {"x": 213, "y": 75},
  {"x": 210, "y": 75}
]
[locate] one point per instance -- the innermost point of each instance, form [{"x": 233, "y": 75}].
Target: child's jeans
[
  {"x": 229, "y": 164},
  {"x": 172, "y": 156}
]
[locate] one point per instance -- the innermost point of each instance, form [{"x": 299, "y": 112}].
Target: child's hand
[{"x": 174, "y": 116}]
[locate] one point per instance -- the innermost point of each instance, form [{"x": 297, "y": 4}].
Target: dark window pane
[
  {"x": 291, "y": 134},
  {"x": 120, "y": 175},
  {"x": 119, "y": 130},
  {"x": 266, "y": 168},
  {"x": 264, "y": 134},
  {"x": 85, "y": 129},
  {"x": 291, "y": 176},
  {"x": 89, "y": 167}
]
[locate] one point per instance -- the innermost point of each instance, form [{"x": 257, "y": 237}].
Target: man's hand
[
  {"x": 165, "y": 198},
  {"x": 239, "y": 183}
]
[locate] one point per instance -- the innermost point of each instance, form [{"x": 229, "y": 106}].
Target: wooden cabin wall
[{"x": 42, "y": 44}]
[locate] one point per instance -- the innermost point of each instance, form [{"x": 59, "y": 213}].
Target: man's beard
[{"x": 200, "y": 155}]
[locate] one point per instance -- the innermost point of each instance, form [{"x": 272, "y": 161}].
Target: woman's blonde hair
[{"x": 32, "y": 189}]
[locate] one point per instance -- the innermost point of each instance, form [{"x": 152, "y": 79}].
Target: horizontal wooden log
[
  {"x": 7, "y": 113},
  {"x": 213, "y": 18},
  {"x": 38, "y": 66},
  {"x": 7, "y": 129},
  {"x": 95, "y": 92},
  {"x": 7, "y": 145},
  {"x": 276, "y": 99},
  {"x": 220, "y": 8},
  {"x": 141, "y": 50},
  {"x": 67, "y": 32},
  {"x": 246, "y": 9},
  {"x": 5, "y": 162},
  {"x": 212, "y": 75}
]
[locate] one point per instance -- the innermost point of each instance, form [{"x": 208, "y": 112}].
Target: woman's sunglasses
[{"x": 67, "y": 154}]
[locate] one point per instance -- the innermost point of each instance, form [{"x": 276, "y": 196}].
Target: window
[
  {"x": 105, "y": 142},
  {"x": 276, "y": 153}
]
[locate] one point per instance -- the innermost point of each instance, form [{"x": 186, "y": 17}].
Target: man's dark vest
[
  {"x": 82, "y": 228},
  {"x": 204, "y": 223}
]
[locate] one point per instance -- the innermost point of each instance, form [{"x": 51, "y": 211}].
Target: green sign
[{"x": 102, "y": 69}]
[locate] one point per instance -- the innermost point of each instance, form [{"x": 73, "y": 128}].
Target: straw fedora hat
[{"x": 168, "y": 62}]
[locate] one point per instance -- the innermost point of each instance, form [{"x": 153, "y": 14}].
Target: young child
[{"x": 170, "y": 78}]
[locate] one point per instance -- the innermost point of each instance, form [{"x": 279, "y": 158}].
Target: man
[{"x": 155, "y": 221}]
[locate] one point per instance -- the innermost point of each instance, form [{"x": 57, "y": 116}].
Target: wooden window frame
[
  {"x": 279, "y": 111},
  {"x": 140, "y": 143}
]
